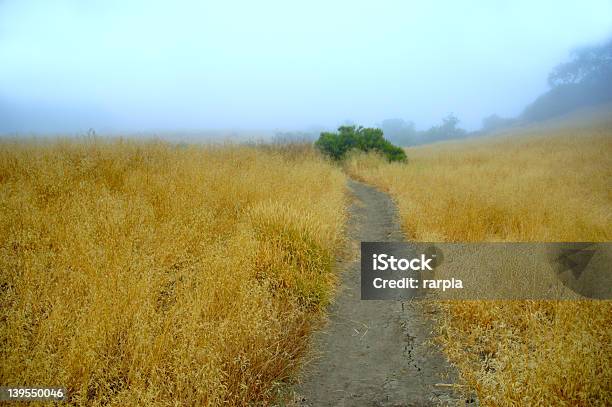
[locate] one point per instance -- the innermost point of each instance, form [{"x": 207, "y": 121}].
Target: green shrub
[{"x": 336, "y": 145}]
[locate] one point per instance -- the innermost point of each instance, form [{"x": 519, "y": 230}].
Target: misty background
[{"x": 168, "y": 67}]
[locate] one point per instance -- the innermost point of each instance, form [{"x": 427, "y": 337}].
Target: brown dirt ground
[{"x": 374, "y": 353}]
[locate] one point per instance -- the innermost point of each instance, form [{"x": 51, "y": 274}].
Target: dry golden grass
[
  {"x": 140, "y": 273},
  {"x": 544, "y": 183}
]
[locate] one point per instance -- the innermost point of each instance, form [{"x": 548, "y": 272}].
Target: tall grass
[
  {"x": 140, "y": 273},
  {"x": 539, "y": 184}
]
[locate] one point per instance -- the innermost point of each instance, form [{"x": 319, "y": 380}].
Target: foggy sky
[{"x": 66, "y": 66}]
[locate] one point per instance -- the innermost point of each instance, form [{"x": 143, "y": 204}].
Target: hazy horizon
[{"x": 187, "y": 66}]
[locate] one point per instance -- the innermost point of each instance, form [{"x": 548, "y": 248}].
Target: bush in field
[{"x": 336, "y": 145}]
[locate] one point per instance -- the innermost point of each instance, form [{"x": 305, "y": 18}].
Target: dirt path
[{"x": 373, "y": 353}]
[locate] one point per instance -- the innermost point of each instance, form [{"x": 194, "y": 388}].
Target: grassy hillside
[
  {"x": 541, "y": 183},
  {"x": 145, "y": 274}
]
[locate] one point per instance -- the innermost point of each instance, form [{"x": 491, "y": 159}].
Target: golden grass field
[
  {"x": 142, "y": 273},
  {"x": 145, "y": 273},
  {"x": 541, "y": 183}
]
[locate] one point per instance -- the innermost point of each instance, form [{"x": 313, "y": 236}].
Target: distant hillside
[
  {"x": 599, "y": 117},
  {"x": 565, "y": 99},
  {"x": 584, "y": 80}
]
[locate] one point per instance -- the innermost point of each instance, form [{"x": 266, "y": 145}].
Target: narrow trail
[{"x": 373, "y": 353}]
